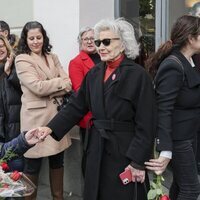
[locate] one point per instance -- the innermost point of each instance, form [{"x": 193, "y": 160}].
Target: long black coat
[{"x": 122, "y": 128}]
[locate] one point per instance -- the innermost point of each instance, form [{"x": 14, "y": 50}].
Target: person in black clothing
[
  {"x": 120, "y": 95},
  {"x": 195, "y": 11},
  {"x": 20, "y": 144},
  {"x": 10, "y": 100},
  {"x": 177, "y": 85}
]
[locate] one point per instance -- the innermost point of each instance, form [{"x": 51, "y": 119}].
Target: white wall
[
  {"x": 16, "y": 13},
  {"x": 61, "y": 20},
  {"x": 91, "y": 11}
]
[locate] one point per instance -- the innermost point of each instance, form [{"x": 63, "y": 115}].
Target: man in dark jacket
[{"x": 20, "y": 144}]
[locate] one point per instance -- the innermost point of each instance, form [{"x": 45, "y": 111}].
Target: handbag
[{"x": 65, "y": 100}]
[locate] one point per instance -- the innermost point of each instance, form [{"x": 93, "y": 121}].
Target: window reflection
[{"x": 141, "y": 14}]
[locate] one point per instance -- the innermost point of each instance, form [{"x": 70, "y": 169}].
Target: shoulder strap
[{"x": 172, "y": 57}]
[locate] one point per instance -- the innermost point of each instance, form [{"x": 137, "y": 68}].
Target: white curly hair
[{"x": 124, "y": 30}]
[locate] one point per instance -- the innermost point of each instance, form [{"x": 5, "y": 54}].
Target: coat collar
[
  {"x": 86, "y": 59},
  {"x": 98, "y": 89},
  {"x": 192, "y": 74},
  {"x": 114, "y": 77}
]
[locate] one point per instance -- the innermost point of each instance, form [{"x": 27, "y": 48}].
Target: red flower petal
[
  {"x": 164, "y": 197},
  {"x": 4, "y": 166}
]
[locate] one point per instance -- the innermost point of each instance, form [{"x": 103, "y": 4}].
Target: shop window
[{"x": 141, "y": 14}]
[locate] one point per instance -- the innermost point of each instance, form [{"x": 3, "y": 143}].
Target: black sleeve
[
  {"x": 71, "y": 114},
  {"x": 141, "y": 146},
  {"x": 168, "y": 81}
]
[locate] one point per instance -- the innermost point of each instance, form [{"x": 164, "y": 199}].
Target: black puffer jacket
[{"x": 10, "y": 105}]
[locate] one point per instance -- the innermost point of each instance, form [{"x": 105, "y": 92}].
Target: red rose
[
  {"x": 4, "y": 166},
  {"x": 5, "y": 185},
  {"x": 164, "y": 197},
  {"x": 15, "y": 175}
]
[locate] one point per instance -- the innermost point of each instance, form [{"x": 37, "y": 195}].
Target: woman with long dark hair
[
  {"x": 177, "y": 85},
  {"x": 43, "y": 82}
]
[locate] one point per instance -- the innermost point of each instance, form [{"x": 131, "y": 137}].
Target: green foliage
[
  {"x": 147, "y": 7},
  {"x": 8, "y": 156}
]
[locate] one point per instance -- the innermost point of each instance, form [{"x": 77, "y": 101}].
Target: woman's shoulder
[
  {"x": 23, "y": 57},
  {"x": 171, "y": 63},
  {"x": 53, "y": 56}
]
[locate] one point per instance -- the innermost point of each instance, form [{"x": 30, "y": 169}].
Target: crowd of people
[{"x": 123, "y": 110}]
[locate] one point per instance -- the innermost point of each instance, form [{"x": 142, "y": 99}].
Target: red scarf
[{"x": 111, "y": 66}]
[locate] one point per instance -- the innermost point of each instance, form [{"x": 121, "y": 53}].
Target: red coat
[{"x": 78, "y": 68}]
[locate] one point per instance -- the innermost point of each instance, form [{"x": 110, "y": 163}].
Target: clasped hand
[{"x": 37, "y": 135}]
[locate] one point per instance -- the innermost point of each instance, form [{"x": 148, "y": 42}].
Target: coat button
[
  {"x": 59, "y": 88},
  {"x": 158, "y": 141},
  {"x": 54, "y": 102}
]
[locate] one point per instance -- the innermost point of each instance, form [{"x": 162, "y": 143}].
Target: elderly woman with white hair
[{"x": 120, "y": 96}]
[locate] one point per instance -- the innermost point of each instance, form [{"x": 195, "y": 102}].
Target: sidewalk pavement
[{"x": 73, "y": 180}]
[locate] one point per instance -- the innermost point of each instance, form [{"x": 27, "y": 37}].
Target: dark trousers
[
  {"x": 32, "y": 166},
  {"x": 185, "y": 185}
]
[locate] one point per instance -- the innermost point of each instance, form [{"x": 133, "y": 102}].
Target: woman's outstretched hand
[{"x": 44, "y": 132}]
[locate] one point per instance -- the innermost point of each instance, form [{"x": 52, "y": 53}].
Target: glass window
[
  {"x": 145, "y": 15},
  {"x": 141, "y": 14}
]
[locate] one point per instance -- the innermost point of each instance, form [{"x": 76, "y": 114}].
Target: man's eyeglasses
[
  {"x": 106, "y": 41},
  {"x": 88, "y": 39}
]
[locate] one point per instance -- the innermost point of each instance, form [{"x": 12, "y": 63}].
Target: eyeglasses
[
  {"x": 88, "y": 39},
  {"x": 106, "y": 41}
]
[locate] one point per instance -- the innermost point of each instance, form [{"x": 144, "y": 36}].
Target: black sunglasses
[{"x": 106, "y": 41}]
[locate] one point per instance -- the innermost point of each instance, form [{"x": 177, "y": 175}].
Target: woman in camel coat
[{"x": 43, "y": 82}]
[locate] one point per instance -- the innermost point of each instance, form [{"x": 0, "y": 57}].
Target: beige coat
[{"x": 40, "y": 83}]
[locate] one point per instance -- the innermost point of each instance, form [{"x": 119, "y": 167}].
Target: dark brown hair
[
  {"x": 23, "y": 46},
  {"x": 185, "y": 26}
]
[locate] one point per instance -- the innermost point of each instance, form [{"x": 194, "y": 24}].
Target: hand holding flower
[{"x": 157, "y": 165}]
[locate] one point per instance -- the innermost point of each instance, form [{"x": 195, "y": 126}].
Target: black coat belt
[
  {"x": 109, "y": 125},
  {"x": 113, "y": 125}
]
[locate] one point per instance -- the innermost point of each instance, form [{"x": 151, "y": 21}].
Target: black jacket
[
  {"x": 123, "y": 114},
  {"x": 178, "y": 101},
  {"x": 10, "y": 105}
]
